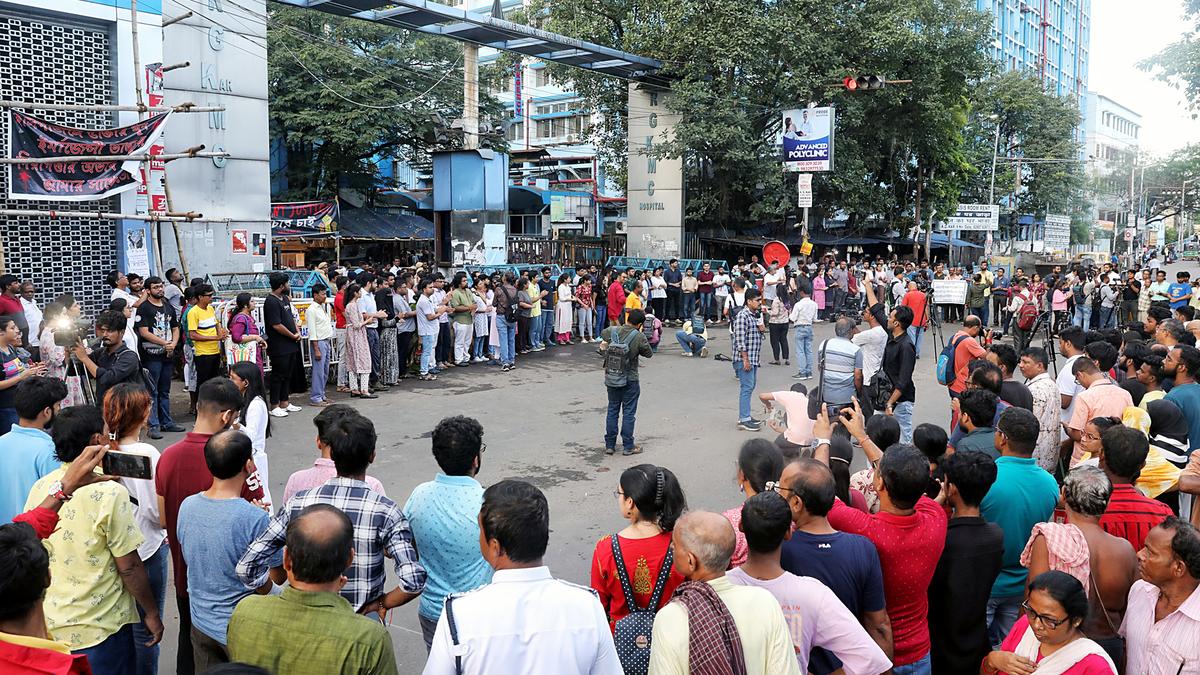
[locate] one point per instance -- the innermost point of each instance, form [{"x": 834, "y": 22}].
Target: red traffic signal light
[
  {"x": 864, "y": 82},
  {"x": 850, "y": 83}
]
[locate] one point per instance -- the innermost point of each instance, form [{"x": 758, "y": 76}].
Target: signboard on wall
[
  {"x": 1058, "y": 232},
  {"x": 974, "y": 218},
  {"x": 807, "y": 139},
  {"x": 655, "y": 191},
  {"x": 804, "y": 186}
]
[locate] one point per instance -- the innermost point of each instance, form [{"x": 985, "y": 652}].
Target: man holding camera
[{"x": 111, "y": 362}]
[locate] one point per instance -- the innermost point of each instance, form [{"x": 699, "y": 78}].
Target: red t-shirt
[
  {"x": 1131, "y": 515},
  {"x": 616, "y": 301},
  {"x": 705, "y": 279},
  {"x": 909, "y": 548},
  {"x": 16, "y": 658},
  {"x": 10, "y": 306},
  {"x": 339, "y": 309},
  {"x": 643, "y": 561},
  {"x": 915, "y": 300},
  {"x": 964, "y": 353},
  {"x": 181, "y": 473}
]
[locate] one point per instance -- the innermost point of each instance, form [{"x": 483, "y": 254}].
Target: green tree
[
  {"x": 346, "y": 94},
  {"x": 1179, "y": 62}
]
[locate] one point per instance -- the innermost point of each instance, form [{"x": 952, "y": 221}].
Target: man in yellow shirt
[
  {"x": 206, "y": 334},
  {"x": 96, "y": 573}
]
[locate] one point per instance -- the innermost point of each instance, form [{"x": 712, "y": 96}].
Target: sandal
[{"x": 427, "y": 378}]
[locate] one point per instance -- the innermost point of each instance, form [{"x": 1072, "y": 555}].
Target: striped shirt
[
  {"x": 1170, "y": 646},
  {"x": 1131, "y": 515}
]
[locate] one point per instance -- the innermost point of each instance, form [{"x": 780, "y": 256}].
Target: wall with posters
[
  {"x": 226, "y": 46},
  {"x": 655, "y": 184}
]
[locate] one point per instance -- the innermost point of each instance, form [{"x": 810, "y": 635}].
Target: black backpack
[
  {"x": 511, "y": 307},
  {"x": 616, "y": 358},
  {"x": 632, "y": 633}
]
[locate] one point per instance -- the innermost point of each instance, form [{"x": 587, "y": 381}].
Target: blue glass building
[{"x": 1048, "y": 37}]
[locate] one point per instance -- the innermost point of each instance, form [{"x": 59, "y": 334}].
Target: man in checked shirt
[
  {"x": 379, "y": 527},
  {"x": 747, "y": 332}
]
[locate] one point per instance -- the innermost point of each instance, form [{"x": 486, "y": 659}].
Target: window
[
  {"x": 541, "y": 77},
  {"x": 516, "y": 132},
  {"x": 551, "y": 108}
]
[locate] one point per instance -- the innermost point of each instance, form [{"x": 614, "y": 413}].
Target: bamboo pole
[
  {"x": 111, "y": 158},
  {"x": 137, "y": 60},
  {"x": 187, "y": 107},
  {"x": 28, "y": 213},
  {"x": 176, "y": 19}
]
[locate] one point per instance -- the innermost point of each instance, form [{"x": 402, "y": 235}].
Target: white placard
[
  {"x": 974, "y": 218},
  {"x": 949, "y": 291},
  {"x": 1058, "y": 232},
  {"x": 804, "y": 186}
]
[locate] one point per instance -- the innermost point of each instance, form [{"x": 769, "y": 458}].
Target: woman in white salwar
[{"x": 564, "y": 311}]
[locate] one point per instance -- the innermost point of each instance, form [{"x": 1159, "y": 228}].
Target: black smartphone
[
  {"x": 834, "y": 410},
  {"x": 127, "y": 465}
]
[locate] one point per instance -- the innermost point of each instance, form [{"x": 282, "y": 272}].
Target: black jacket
[{"x": 122, "y": 365}]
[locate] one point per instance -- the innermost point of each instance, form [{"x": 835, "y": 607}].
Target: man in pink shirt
[
  {"x": 1100, "y": 398},
  {"x": 1162, "y": 619},
  {"x": 815, "y": 616},
  {"x": 323, "y": 469},
  {"x": 909, "y": 532},
  {"x": 798, "y": 432}
]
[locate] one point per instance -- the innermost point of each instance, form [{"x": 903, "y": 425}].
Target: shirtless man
[{"x": 1112, "y": 561}]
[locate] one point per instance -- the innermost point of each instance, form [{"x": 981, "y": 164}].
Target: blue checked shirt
[
  {"x": 746, "y": 337},
  {"x": 379, "y": 526}
]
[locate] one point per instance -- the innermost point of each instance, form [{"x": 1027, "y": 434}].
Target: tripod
[
  {"x": 1043, "y": 326},
  {"x": 935, "y": 321},
  {"x": 75, "y": 368}
]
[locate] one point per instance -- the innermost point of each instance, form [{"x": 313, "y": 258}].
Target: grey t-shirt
[
  {"x": 638, "y": 345},
  {"x": 841, "y": 358}
]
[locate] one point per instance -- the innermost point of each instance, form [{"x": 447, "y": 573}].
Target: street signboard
[
  {"x": 807, "y": 139},
  {"x": 1058, "y": 232},
  {"x": 974, "y": 218},
  {"x": 1130, "y": 232},
  {"x": 804, "y": 185}
]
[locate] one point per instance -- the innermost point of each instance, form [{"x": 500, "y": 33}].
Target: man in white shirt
[
  {"x": 772, "y": 281},
  {"x": 1070, "y": 344},
  {"x": 872, "y": 343},
  {"x": 815, "y": 616},
  {"x": 33, "y": 317},
  {"x": 525, "y": 621},
  {"x": 428, "y": 312},
  {"x": 370, "y": 310},
  {"x": 320, "y": 342},
  {"x": 704, "y": 543},
  {"x": 721, "y": 290},
  {"x": 804, "y": 313}
]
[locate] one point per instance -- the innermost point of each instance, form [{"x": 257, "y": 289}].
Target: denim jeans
[
  {"x": 922, "y": 666},
  {"x": 747, "y": 379},
  {"x": 535, "y": 329},
  {"x": 1002, "y": 613},
  {"x": 706, "y": 305},
  {"x": 622, "y": 401},
  {"x": 547, "y": 336},
  {"x": 156, "y": 571},
  {"x": 688, "y": 308},
  {"x": 601, "y": 318},
  {"x": 804, "y": 357},
  {"x": 508, "y": 339},
  {"x": 373, "y": 345},
  {"x": 692, "y": 344},
  {"x": 1083, "y": 315},
  {"x": 114, "y": 656},
  {"x": 915, "y": 334},
  {"x": 903, "y": 413},
  {"x": 428, "y": 345},
  {"x": 320, "y": 369},
  {"x": 160, "y": 407},
  {"x": 480, "y": 348},
  {"x": 1108, "y": 317}
]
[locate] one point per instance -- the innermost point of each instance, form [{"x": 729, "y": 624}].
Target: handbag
[{"x": 239, "y": 352}]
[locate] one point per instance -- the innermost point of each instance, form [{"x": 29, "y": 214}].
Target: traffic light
[{"x": 864, "y": 82}]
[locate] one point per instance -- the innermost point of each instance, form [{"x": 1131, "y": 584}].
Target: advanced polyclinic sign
[
  {"x": 807, "y": 139},
  {"x": 76, "y": 179}
]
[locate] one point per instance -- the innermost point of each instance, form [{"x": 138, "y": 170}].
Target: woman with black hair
[
  {"x": 1047, "y": 638},
  {"x": 254, "y": 420},
  {"x": 243, "y": 330},
  {"x": 759, "y": 462},
  {"x": 651, "y": 499}
]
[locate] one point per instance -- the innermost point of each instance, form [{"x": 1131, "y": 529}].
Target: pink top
[
  {"x": 799, "y": 426},
  {"x": 819, "y": 291},
  {"x": 1059, "y": 302},
  {"x": 1088, "y": 665},
  {"x": 320, "y": 473},
  {"x": 740, "y": 550},
  {"x": 1170, "y": 645}
]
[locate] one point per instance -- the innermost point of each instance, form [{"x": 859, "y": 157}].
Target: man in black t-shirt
[
  {"x": 157, "y": 329},
  {"x": 283, "y": 344}
]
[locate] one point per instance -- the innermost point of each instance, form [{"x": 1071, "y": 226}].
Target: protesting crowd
[{"x": 1044, "y": 524}]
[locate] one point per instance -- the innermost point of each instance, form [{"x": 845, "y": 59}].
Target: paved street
[{"x": 544, "y": 423}]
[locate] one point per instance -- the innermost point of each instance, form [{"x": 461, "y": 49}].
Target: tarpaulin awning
[{"x": 376, "y": 225}]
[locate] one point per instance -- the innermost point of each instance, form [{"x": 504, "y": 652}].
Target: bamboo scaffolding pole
[
  {"x": 112, "y": 158},
  {"x": 137, "y": 60},
  {"x": 187, "y": 107},
  {"x": 176, "y": 19},
  {"x": 26, "y": 213}
]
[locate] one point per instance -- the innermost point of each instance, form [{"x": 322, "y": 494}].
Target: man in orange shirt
[
  {"x": 968, "y": 348},
  {"x": 914, "y": 299}
]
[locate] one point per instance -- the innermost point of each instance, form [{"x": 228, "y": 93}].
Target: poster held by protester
[
  {"x": 949, "y": 291},
  {"x": 77, "y": 179}
]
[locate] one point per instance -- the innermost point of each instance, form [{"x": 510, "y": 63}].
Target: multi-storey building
[
  {"x": 1048, "y": 37},
  {"x": 1111, "y": 137}
]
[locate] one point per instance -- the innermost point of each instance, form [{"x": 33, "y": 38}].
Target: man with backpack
[
  {"x": 692, "y": 337},
  {"x": 1024, "y": 310},
  {"x": 621, "y": 346},
  {"x": 959, "y": 351}
]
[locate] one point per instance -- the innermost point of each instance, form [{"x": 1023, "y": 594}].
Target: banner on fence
[
  {"x": 292, "y": 219},
  {"x": 78, "y": 178}
]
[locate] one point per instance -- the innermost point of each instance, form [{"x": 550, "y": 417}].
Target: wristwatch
[
  {"x": 56, "y": 491},
  {"x": 820, "y": 441}
]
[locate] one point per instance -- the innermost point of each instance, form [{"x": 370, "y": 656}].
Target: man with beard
[{"x": 157, "y": 327}]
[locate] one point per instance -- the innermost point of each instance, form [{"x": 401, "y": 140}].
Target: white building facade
[{"x": 1110, "y": 137}]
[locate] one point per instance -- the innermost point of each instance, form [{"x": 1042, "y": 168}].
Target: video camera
[{"x": 68, "y": 332}]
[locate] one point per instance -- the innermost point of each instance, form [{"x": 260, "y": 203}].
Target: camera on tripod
[{"x": 68, "y": 331}]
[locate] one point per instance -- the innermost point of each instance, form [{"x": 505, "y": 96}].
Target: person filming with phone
[{"x": 110, "y": 363}]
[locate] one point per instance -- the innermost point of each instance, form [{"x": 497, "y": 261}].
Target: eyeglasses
[
  {"x": 482, "y": 448},
  {"x": 618, "y": 493},
  {"x": 777, "y": 487},
  {"x": 1047, "y": 621}
]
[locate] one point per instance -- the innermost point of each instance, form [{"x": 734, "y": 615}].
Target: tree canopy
[{"x": 1179, "y": 62}]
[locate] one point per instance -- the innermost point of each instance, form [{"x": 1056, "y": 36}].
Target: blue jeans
[
  {"x": 601, "y": 318},
  {"x": 428, "y": 345},
  {"x": 536, "y": 325},
  {"x": 114, "y": 656},
  {"x": 706, "y": 305},
  {"x": 687, "y": 306},
  {"x": 8, "y": 419},
  {"x": 903, "y": 413},
  {"x": 508, "y": 339},
  {"x": 1002, "y": 613},
  {"x": 373, "y": 345},
  {"x": 156, "y": 571},
  {"x": 160, "y": 407},
  {"x": 981, "y": 312},
  {"x": 622, "y": 401},
  {"x": 1108, "y": 317},
  {"x": 747, "y": 380},
  {"x": 915, "y": 334},
  {"x": 320, "y": 369},
  {"x": 804, "y": 357},
  {"x": 1083, "y": 315},
  {"x": 480, "y": 350},
  {"x": 692, "y": 344},
  {"x": 922, "y": 666}
]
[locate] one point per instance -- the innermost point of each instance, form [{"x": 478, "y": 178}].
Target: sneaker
[
  {"x": 479, "y": 359},
  {"x": 539, "y": 348},
  {"x": 506, "y": 367},
  {"x": 807, "y": 377},
  {"x": 750, "y": 425},
  {"x": 278, "y": 412},
  {"x": 154, "y": 433},
  {"x": 173, "y": 428},
  {"x": 610, "y": 451},
  {"x": 798, "y": 376},
  {"x": 635, "y": 450},
  {"x": 293, "y": 408},
  {"x": 704, "y": 352},
  {"x": 686, "y": 354}
]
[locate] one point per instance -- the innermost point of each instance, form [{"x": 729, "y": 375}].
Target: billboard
[
  {"x": 1058, "y": 232},
  {"x": 807, "y": 139},
  {"x": 974, "y": 218}
]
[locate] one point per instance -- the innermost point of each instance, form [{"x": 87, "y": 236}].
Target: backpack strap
[
  {"x": 623, "y": 575},
  {"x": 453, "y": 633},
  {"x": 664, "y": 573},
  {"x": 660, "y": 584}
]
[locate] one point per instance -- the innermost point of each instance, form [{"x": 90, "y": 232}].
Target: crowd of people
[{"x": 1048, "y": 527}]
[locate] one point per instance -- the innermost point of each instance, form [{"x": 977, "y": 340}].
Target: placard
[{"x": 949, "y": 291}]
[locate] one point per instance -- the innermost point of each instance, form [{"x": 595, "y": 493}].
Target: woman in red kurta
[{"x": 651, "y": 500}]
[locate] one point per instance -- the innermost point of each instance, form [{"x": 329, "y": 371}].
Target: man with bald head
[
  {"x": 712, "y": 625},
  {"x": 309, "y": 628}
]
